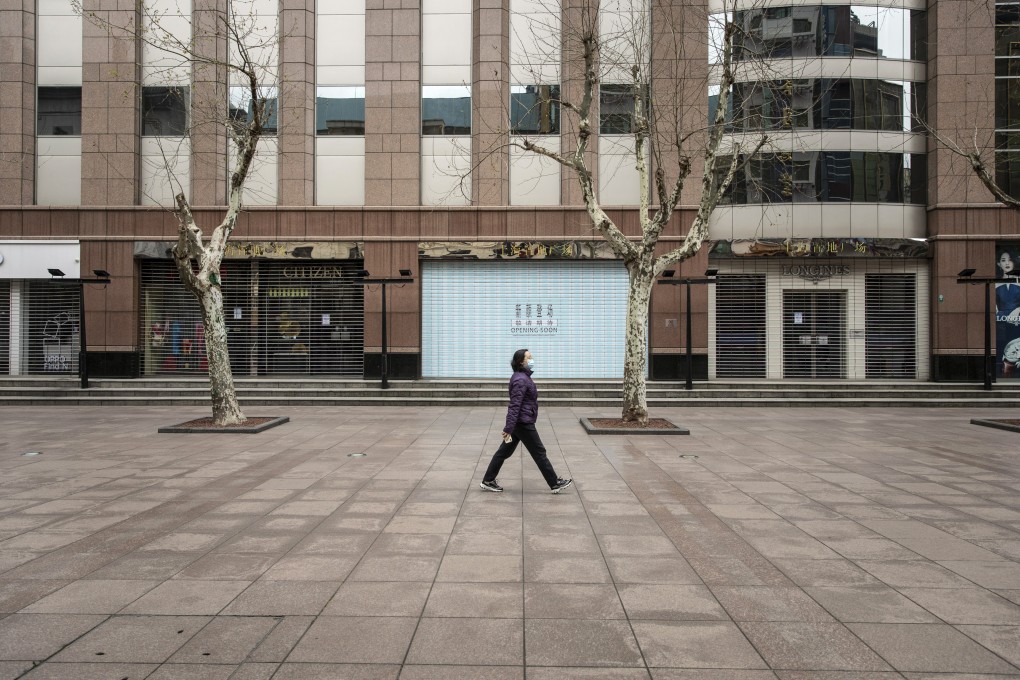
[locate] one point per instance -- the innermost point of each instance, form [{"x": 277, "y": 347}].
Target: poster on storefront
[{"x": 1007, "y": 311}]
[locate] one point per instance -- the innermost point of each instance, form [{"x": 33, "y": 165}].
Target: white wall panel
[
  {"x": 165, "y": 168},
  {"x": 535, "y": 179},
  {"x": 618, "y": 176},
  {"x": 59, "y": 43},
  {"x": 340, "y": 171},
  {"x": 262, "y": 185},
  {"x": 58, "y": 171},
  {"x": 471, "y": 327}
]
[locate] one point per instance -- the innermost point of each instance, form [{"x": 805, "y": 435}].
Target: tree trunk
[
  {"x": 635, "y": 401},
  {"x": 226, "y": 410}
]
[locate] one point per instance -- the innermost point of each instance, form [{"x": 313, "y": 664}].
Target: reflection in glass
[
  {"x": 59, "y": 111},
  {"x": 445, "y": 110},
  {"x": 827, "y": 176},
  {"x": 616, "y": 109},
  {"x": 827, "y": 103},
  {"x": 165, "y": 111},
  {"x": 340, "y": 110},
  {"x": 823, "y": 30},
  {"x": 242, "y": 106},
  {"x": 535, "y": 109}
]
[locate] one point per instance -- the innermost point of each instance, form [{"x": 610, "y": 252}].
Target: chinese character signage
[
  {"x": 820, "y": 247},
  {"x": 531, "y": 318},
  {"x": 1007, "y": 311}
]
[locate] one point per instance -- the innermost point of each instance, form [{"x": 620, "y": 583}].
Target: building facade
[{"x": 389, "y": 148}]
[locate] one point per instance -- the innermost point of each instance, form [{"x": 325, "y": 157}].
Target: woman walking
[{"x": 520, "y": 427}]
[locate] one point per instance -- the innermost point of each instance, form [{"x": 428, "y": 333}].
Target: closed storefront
[
  {"x": 284, "y": 315},
  {"x": 571, "y": 313},
  {"x": 39, "y": 313},
  {"x": 842, "y": 309}
]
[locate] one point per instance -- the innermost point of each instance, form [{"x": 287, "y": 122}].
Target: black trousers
[{"x": 526, "y": 433}]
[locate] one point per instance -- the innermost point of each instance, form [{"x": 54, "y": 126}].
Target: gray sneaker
[
  {"x": 561, "y": 484},
  {"x": 491, "y": 486}
]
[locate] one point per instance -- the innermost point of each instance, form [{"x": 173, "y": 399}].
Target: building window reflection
[{"x": 827, "y": 176}]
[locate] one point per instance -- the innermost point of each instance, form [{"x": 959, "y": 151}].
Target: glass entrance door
[{"x": 814, "y": 334}]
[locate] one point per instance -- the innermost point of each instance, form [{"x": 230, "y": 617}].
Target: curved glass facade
[
  {"x": 1007, "y": 96},
  {"x": 830, "y": 31},
  {"x": 827, "y": 104},
  {"x": 827, "y": 176}
]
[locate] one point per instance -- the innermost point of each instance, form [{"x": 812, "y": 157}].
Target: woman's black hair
[{"x": 517, "y": 363}]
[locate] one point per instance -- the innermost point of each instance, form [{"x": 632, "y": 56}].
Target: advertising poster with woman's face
[{"x": 1007, "y": 311}]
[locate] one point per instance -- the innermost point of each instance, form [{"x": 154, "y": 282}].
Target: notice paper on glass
[{"x": 325, "y": 319}]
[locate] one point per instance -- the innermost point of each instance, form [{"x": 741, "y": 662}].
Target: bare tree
[
  {"x": 248, "y": 62},
  {"x": 668, "y": 83}
]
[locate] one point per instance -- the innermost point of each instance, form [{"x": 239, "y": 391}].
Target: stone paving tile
[
  {"x": 483, "y": 600},
  {"x": 671, "y": 602},
  {"x": 1003, "y": 640},
  {"x": 811, "y": 646},
  {"x": 187, "y": 598},
  {"x": 869, "y": 604},
  {"x": 87, "y": 671},
  {"x": 410, "y": 672},
  {"x": 695, "y": 644},
  {"x": 34, "y": 637},
  {"x": 474, "y": 641},
  {"x": 133, "y": 639},
  {"x": 882, "y": 520},
  {"x": 281, "y": 598},
  {"x": 562, "y": 642},
  {"x": 929, "y": 647},
  {"x": 966, "y": 605},
  {"x": 92, "y": 597},
  {"x": 378, "y": 599},
  {"x": 355, "y": 639},
  {"x": 756, "y": 603},
  {"x": 226, "y": 640}
]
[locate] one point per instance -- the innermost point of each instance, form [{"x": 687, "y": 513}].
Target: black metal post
[
  {"x": 83, "y": 362},
  {"x": 385, "y": 358},
  {"x": 690, "y": 355},
  {"x": 989, "y": 364}
]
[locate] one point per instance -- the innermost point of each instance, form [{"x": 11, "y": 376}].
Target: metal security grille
[
  {"x": 814, "y": 334},
  {"x": 826, "y": 318},
  {"x": 5, "y": 327},
  {"x": 41, "y": 320},
  {"x": 570, "y": 314},
  {"x": 740, "y": 329},
  {"x": 890, "y": 325},
  {"x": 283, "y": 318}
]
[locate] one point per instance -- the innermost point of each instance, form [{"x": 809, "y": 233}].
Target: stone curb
[
  {"x": 997, "y": 424},
  {"x": 180, "y": 429},
  {"x": 591, "y": 429}
]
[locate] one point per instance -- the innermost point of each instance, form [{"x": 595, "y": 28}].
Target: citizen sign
[{"x": 816, "y": 272}]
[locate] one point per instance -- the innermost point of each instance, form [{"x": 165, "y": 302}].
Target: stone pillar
[
  {"x": 110, "y": 107},
  {"x": 393, "y": 102},
  {"x": 578, "y": 15},
  {"x": 17, "y": 102},
  {"x": 490, "y": 100},
  {"x": 297, "y": 103},
  {"x": 209, "y": 96}
]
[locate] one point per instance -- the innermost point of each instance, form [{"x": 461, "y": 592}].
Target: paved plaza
[{"x": 790, "y": 544}]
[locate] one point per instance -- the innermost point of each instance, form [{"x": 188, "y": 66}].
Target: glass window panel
[
  {"x": 242, "y": 106},
  {"x": 915, "y": 178},
  {"x": 840, "y": 31},
  {"x": 1007, "y": 40},
  {"x": 165, "y": 111},
  {"x": 1007, "y": 171},
  {"x": 1007, "y": 13},
  {"x": 59, "y": 111},
  {"x": 836, "y": 177},
  {"x": 804, "y": 173},
  {"x": 1007, "y": 103},
  {"x": 445, "y": 110},
  {"x": 340, "y": 110},
  {"x": 616, "y": 109},
  {"x": 535, "y": 109}
]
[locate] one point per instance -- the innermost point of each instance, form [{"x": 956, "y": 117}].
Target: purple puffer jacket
[{"x": 523, "y": 400}]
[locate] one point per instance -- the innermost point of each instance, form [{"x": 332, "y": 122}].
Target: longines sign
[{"x": 816, "y": 272}]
